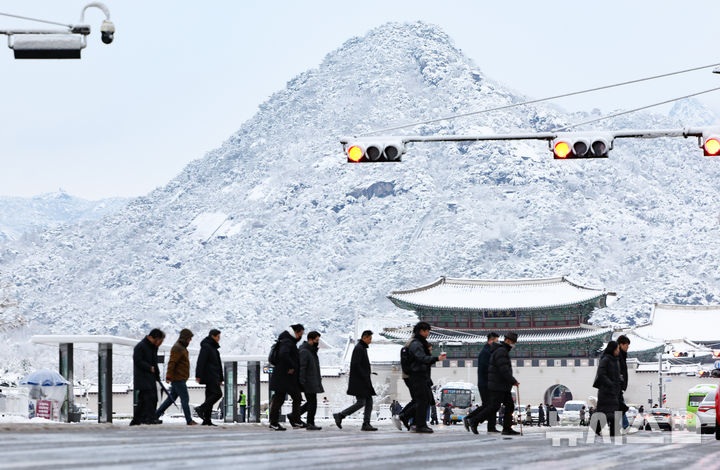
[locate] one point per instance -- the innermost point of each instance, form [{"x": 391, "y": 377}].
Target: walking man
[
  {"x": 420, "y": 383},
  {"x": 285, "y": 377},
  {"x": 500, "y": 383},
  {"x": 242, "y": 401},
  {"x": 310, "y": 378},
  {"x": 541, "y": 415},
  {"x": 145, "y": 374},
  {"x": 483, "y": 364},
  {"x": 360, "y": 385},
  {"x": 178, "y": 371},
  {"x": 209, "y": 371}
]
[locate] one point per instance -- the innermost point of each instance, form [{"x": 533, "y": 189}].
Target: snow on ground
[{"x": 254, "y": 446}]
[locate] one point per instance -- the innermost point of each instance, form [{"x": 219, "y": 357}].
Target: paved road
[{"x": 254, "y": 446}]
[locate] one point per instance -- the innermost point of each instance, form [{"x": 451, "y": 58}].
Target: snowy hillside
[
  {"x": 20, "y": 215},
  {"x": 274, "y": 227}
]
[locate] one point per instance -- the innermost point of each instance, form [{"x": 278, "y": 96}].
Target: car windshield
[
  {"x": 457, "y": 398},
  {"x": 573, "y": 406},
  {"x": 695, "y": 400}
]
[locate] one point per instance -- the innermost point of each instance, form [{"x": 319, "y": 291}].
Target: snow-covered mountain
[
  {"x": 20, "y": 215},
  {"x": 274, "y": 227}
]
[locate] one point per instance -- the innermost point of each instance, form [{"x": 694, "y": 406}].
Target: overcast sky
[{"x": 183, "y": 76}]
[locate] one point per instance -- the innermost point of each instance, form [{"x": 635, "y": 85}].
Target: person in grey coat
[{"x": 310, "y": 378}]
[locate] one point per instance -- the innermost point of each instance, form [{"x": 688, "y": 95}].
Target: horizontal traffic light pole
[{"x": 582, "y": 144}]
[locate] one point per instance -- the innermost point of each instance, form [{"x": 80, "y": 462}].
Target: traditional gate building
[{"x": 551, "y": 316}]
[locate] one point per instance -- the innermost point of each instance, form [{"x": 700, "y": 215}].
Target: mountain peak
[{"x": 691, "y": 112}]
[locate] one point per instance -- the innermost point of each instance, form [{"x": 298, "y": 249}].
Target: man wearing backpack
[
  {"x": 284, "y": 379},
  {"x": 421, "y": 360}
]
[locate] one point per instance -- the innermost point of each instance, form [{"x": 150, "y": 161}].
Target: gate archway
[{"x": 557, "y": 395}]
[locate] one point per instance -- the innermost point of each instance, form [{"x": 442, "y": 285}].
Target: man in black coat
[
  {"x": 285, "y": 378},
  {"x": 209, "y": 371},
  {"x": 359, "y": 384},
  {"x": 500, "y": 384},
  {"x": 419, "y": 380},
  {"x": 310, "y": 377},
  {"x": 624, "y": 343},
  {"x": 145, "y": 375},
  {"x": 483, "y": 364}
]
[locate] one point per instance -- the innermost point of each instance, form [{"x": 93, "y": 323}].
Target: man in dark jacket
[
  {"x": 419, "y": 380},
  {"x": 624, "y": 343},
  {"x": 541, "y": 415},
  {"x": 178, "y": 371},
  {"x": 500, "y": 384},
  {"x": 310, "y": 378},
  {"x": 209, "y": 371},
  {"x": 285, "y": 378},
  {"x": 145, "y": 374},
  {"x": 483, "y": 364},
  {"x": 359, "y": 384}
]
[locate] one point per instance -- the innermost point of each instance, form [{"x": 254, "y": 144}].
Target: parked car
[{"x": 571, "y": 412}]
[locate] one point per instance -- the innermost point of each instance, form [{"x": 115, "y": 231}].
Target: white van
[{"x": 571, "y": 415}]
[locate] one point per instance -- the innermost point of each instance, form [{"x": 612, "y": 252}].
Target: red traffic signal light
[
  {"x": 561, "y": 149},
  {"x": 711, "y": 146},
  {"x": 355, "y": 153}
]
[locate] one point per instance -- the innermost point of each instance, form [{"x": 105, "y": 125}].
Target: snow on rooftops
[
  {"x": 479, "y": 294},
  {"x": 638, "y": 343},
  {"x": 441, "y": 335},
  {"x": 698, "y": 323}
]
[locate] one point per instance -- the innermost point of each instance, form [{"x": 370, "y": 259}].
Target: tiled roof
[
  {"x": 697, "y": 323},
  {"x": 478, "y": 294},
  {"x": 441, "y": 335}
]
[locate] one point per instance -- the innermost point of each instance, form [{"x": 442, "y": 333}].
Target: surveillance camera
[{"x": 107, "y": 32}]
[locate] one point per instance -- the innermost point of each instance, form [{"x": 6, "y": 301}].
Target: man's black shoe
[
  {"x": 466, "y": 423},
  {"x": 312, "y": 427},
  {"x": 338, "y": 420},
  {"x": 368, "y": 427},
  {"x": 473, "y": 427},
  {"x": 208, "y": 423},
  {"x": 422, "y": 430},
  {"x": 406, "y": 421},
  {"x": 154, "y": 421},
  {"x": 510, "y": 432},
  {"x": 492, "y": 430},
  {"x": 276, "y": 427},
  {"x": 295, "y": 424}
]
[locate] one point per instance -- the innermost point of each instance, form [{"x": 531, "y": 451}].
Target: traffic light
[
  {"x": 711, "y": 144},
  {"x": 664, "y": 398},
  {"x": 363, "y": 151},
  {"x": 566, "y": 146},
  {"x": 679, "y": 354}
]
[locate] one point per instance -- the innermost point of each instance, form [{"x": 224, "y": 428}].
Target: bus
[
  {"x": 695, "y": 396},
  {"x": 462, "y": 396}
]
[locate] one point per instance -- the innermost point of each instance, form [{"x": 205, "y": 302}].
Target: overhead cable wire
[
  {"x": 571, "y": 126},
  {"x": 564, "y": 95},
  {"x": 35, "y": 19}
]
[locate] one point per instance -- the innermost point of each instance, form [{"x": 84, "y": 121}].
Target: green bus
[{"x": 695, "y": 396}]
